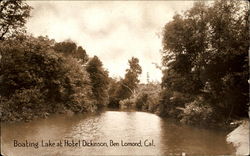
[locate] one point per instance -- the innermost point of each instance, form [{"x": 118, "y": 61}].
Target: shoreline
[{"x": 238, "y": 137}]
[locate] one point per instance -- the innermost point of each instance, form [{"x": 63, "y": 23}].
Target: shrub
[
  {"x": 145, "y": 98},
  {"x": 198, "y": 112},
  {"x": 141, "y": 102},
  {"x": 126, "y": 103},
  {"x": 23, "y": 104}
]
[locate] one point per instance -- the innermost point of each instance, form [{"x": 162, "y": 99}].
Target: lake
[{"x": 110, "y": 133}]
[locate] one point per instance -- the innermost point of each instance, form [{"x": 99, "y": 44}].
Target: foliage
[
  {"x": 205, "y": 55},
  {"x": 174, "y": 100},
  {"x": 30, "y": 66},
  {"x": 81, "y": 54},
  {"x": 141, "y": 101},
  {"x": 23, "y": 104},
  {"x": 127, "y": 103},
  {"x": 13, "y": 16},
  {"x": 145, "y": 98},
  {"x": 198, "y": 112},
  {"x": 67, "y": 47},
  {"x": 127, "y": 85},
  {"x": 70, "y": 48},
  {"x": 114, "y": 86},
  {"x": 99, "y": 81}
]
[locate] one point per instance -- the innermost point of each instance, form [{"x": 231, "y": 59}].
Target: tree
[
  {"x": 131, "y": 80},
  {"x": 127, "y": 85},
  {"x": 66, "y": 47},
  {"x": 34, "y": 79},
  {"x": 70, "y": 48},
  {"x": 205, "y": 55},
  {"x": 99, "y": 81},
  {"x": 13, "y": 16},
  {"x": 81, "y": 55}
]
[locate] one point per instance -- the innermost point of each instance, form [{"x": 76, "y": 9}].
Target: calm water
[{"x": 168, "y": 137}]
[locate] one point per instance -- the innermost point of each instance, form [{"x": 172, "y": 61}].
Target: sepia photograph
[{"x": 124, "y": 77}]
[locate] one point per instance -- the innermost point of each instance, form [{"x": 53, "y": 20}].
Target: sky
[{"x": 115, "y": 31}]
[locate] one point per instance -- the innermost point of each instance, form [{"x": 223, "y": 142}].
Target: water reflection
[
  {"x": 168, "y": 137},
  {"x": 176, "y": 139}
]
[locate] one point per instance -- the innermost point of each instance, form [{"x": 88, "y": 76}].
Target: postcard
[{"x": 124, "y": 77}]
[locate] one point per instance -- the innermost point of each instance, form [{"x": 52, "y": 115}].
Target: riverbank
[
  {"x": 239, "y": 137},
  {"x": 30, "y": 115}
]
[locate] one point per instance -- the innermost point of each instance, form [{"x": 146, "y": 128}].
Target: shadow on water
[
  {"x": 130, "y": 126},
  {"x": 178, "y": 138}
]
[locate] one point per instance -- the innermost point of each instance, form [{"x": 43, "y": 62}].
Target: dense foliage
[
  {"x": 206, "y": 60},
  {"x": 145, "y": 98},
  {"x": 99, "y": 81},
  {"x": 37, "y": 80},
  {"x": 69, "y": 48},
  {"x": 126, "y": 86},
  {"x": 13, "y": 16}
]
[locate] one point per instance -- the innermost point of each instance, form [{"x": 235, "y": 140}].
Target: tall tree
[
  {"x": 99, "y": 81},
  {"x": 127, "y": 85},
  {"x": 13, "y": 16},
  {"x": 131, "y": 79},
  {"x": 205, "y": 54}
]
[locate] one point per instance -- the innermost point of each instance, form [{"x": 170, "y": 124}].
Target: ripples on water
[{"x": 169, "y": 137}]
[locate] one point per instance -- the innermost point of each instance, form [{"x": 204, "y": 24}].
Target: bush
[
  {"x": 170, "y": 102},
  {"x": 23, "y": 104},
  {"x": 126, "y": 103},
  {"x": 141, "y": 102},
  {"x": 145, "y": 98},
  {"x": 198, "y": 112}
]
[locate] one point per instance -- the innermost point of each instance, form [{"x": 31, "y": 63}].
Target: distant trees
[
  {"x": 131, "y": 80},
  {"x": 13, "y": 16},
  {"x": 206, "y": 59},
  {"x": 127, "y": 85},
  {"x": 99, "y": 81},
  {"x": 147, "y": 97}
]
